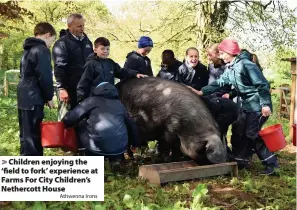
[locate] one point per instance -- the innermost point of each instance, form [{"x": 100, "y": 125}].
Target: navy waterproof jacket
[
  {"x": 108, "y": 123},
  {"x": 99, "y": 70},
  {"x": 70, "y": 56},
  {"x": 139, "y": 63},
  {"x": 36, "y": 79}
]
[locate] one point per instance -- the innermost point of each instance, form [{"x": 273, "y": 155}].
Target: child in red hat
[{"x": 254, "y": 90}]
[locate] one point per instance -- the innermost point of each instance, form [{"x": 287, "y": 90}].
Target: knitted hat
[
  {"x": 145, "y": 41},
  {"x": 229, "y": 46}
]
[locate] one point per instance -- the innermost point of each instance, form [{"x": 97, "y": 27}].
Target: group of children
[
  {"x": 101, "y": 120},
  {"x": 232, "y": 73}
]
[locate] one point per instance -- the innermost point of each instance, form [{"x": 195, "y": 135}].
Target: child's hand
[
  {"x": 266, "y": 111},
  {"x": 226, "y": 95},
  {"x": 141, "y": 76},
  {"x": 200, "y": 93}
]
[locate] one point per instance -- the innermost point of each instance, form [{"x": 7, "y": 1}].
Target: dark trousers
[
  {"x": 30, "y": 133},
  {"x": 111, "y": 158},
  {"x": 73, "y": 97},
  {"x": 245, "y": 138},
  {"x": 84, "y": 142}
]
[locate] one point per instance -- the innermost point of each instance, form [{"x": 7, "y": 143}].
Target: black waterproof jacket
[
  {"x": 36, "y": 79},
  {"x": 139, "y": 63},
  {"x": 99, "y": 70},
  {"x": 70, "y": 56},
  {"x": 171, "y": 71},
  {"x": 108, "y": 123}
]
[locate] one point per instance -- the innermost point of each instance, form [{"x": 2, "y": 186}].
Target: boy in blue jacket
[
  {"x": 35, "y": 88},
  {"x": 106, "y": 127}
]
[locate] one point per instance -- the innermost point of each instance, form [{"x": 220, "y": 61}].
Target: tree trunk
[{"x": 211, "y": 17}]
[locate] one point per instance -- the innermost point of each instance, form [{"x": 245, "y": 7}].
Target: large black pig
[{"x": 165, "y": 110}]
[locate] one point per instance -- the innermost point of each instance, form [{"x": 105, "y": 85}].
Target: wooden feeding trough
[{"x": 186, "y": 170}]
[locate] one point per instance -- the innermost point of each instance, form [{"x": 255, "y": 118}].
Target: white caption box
[{"x": 51, "y": 178}]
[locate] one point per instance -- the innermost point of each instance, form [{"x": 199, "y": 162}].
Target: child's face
[
  {"x": 102, "y": 51},
  {"x": 145, "y": 51},
  {"x": 192, "y": 57},
  {"x": 213, "y": 56},
  {"x": 226, "y": 57},
  {"x": 48, "y": 39}
]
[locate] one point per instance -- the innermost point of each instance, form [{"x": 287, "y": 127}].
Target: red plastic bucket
[
  {"x": 294, "y": 134},
  {"x": 273, "y": 137},
  {"x": 70, "y": 140},
  {"x": 52, "y": 134}
]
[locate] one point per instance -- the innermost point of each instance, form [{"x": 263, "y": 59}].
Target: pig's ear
[{"x": 215, "y": 150}]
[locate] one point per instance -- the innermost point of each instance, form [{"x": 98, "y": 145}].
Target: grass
[{"x": 126, "y": 191}]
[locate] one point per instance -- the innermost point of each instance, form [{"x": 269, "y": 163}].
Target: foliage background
[{"x": 266, "y": 27}]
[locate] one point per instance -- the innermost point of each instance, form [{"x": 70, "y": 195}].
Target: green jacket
[{"x": 249, "y": 82}]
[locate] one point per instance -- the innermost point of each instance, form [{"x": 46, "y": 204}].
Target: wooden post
[
  {"x": 293, "y": 94},
  {"x": 5, "y": 85}
]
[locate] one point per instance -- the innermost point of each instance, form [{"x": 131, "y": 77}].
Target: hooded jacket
[
  {"x": 108, "y": 123},
  {"x": 36, "y": 79},
  {"x": 248, "y": 81},
  {"x": 139, "y": 63},
  {"x": 171, "y": 71},
  {"x": 70, "y": 56},
  {"x": 99, "y": 70},
  {"x": 196, "y": 77}
]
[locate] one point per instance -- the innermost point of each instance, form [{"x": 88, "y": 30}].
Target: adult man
[{"x": 70, "y": 53}]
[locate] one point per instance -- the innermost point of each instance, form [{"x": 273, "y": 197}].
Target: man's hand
[
  {"x": 226, "y": 95},
  {"x": 141, "y": 76},
  {"x": 51, "y": 104},
  {"x": 63, "y": 95},
  {"x": 266, "y": 111}
]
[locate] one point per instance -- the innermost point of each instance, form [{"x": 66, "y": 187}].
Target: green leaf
[
  {"x": 128, "y": 200},
  {"x": 200, "y": 190},
  {"x": 99, "y": 207}
]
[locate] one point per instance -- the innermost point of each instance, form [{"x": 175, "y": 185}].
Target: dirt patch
[
  {"x": 227, "y": 197},
  {"x": 290, "y": 148}
]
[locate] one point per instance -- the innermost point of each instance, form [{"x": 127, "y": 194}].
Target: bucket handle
[{"x": 262, "y": 117}]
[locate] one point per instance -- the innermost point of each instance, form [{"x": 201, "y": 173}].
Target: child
[
  {"x": 106, "y": 127},
  {"x": 192, "y": 73},
  {"x": 35, "y": 88},
  {"x": 169, "y": 66},
  {"x": 253, "y": 88},
  {"x": 99, "y": 68},
  {"x": 138, "y": 60}
]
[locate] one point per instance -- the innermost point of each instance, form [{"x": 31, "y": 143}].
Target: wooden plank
[
  {"x": 196, "y": 172},
  {"x": 289, "y": 59},
  {"x": 181, "y": 171},
  {"x": 293, "y": 95},
  {"x": 285, "y": 113},
  {"x": 5, "y": 85}
]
